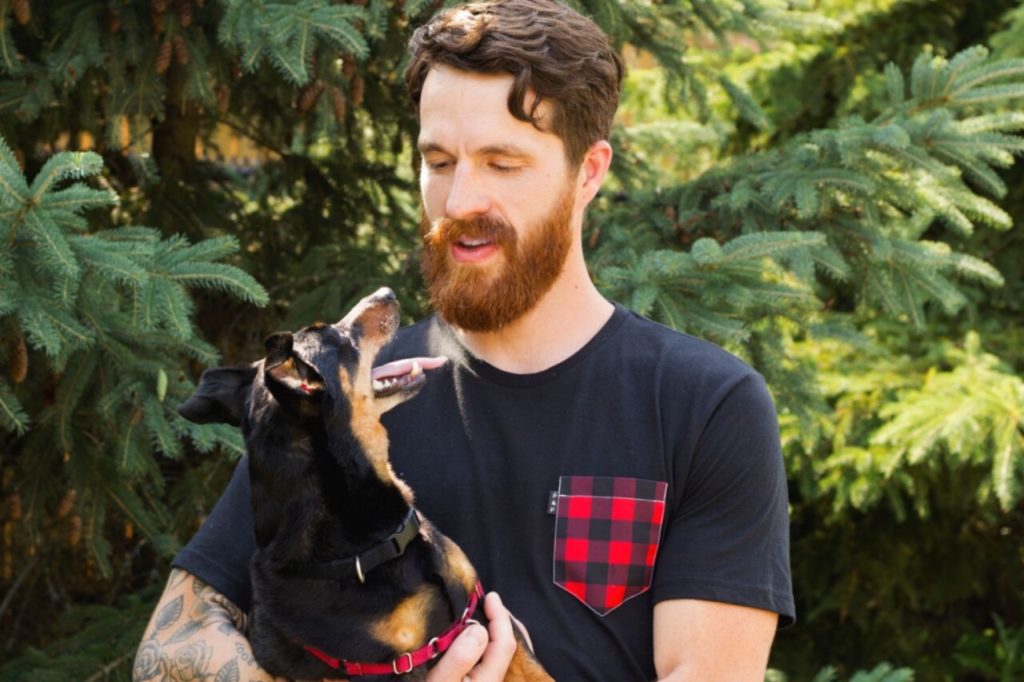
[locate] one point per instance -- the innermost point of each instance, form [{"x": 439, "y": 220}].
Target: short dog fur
[{"x": 323, "y": 489}]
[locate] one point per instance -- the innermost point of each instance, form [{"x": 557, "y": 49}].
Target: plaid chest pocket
[{"x": 607, "y": 531}]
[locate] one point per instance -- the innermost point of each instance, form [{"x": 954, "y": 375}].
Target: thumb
[{"x": 464, "y": 653}]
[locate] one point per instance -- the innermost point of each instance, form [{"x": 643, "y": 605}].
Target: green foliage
[
  {"x": 90, "y": 633},
  {"x": 906, "y": 423},
  {"x": 95, "y": 321},
  {"x": 996, "y": 653},
  {"x": 884, "y": 672},
  {"x": 289, "y": 34},
  {"x": 826, "y": 187},
  {"x": 849, "y": 183}
]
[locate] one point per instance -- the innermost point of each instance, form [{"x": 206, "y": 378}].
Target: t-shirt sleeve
[
  {"x": 727, "y": 534},
  {"x": 219, "y": 553}
]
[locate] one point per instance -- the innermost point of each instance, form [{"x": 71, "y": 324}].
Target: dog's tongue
[{"x": 408, "y": 366}]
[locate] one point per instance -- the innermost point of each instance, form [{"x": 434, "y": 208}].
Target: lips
[{"x": 466, "y": 250}]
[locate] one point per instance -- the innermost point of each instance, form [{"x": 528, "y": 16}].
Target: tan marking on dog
[
  {"x": 288, "y": 374},
  {"x": 405, "y": 628},
  {"x": 366, "y": 426},
  {"x": 525, "y": 668}
]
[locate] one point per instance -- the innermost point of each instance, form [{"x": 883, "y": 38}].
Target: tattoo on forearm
[{"x": 171, "y": 649}]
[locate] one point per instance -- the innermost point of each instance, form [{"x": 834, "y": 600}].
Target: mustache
[{"x": 447, "y": 230}]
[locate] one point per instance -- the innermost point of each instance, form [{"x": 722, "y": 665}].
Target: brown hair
[{"x": 547, "y": 47}]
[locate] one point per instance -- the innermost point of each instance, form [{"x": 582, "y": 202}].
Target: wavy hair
[{"x": 547, "y": 47}]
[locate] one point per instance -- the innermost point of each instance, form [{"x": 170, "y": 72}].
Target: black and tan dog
[{"x": 347, "y": 578}]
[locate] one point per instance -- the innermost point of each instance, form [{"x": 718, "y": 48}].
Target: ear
[
  {"x": 220, "y": 397},
  {"x": 278, "y": 347},
  {"x": 592, "y": 172},
  {"x": 283, "y": 369}
]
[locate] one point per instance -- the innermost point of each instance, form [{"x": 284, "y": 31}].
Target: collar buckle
[{"x": 404, "y": 658}]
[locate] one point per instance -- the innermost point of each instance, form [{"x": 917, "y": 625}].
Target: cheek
[{"x": 434, "y": 190}]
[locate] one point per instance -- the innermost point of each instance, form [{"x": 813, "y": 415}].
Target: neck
[{"x": 560, "y": 324}]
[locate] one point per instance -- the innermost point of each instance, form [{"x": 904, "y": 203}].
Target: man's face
[{"x": 499, "y": 206}]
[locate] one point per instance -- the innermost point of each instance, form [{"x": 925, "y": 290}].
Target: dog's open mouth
[{"x": 402, "y": 375}]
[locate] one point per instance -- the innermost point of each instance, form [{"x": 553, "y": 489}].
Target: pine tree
[
  {"x": 844, "y": 225},
  {"x": 99, "y": 338}
]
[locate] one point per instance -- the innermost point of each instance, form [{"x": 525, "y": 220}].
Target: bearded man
[{"x": 618, "y": 483}]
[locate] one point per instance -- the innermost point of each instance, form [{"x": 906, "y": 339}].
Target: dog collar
[
  {"x": 358, "y": 566},
  {"x": 410, "y": 660}
]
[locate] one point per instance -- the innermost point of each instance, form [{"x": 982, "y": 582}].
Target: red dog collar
[{"x": 412, "y": 659}]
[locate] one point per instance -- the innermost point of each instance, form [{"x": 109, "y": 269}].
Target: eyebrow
[{"x": 489, "y": 150}]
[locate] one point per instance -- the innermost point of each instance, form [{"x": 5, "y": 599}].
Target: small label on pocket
[{"x": 607, "y": 531}]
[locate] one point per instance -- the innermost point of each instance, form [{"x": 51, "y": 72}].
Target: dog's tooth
[{"x": 416, "y": 370}]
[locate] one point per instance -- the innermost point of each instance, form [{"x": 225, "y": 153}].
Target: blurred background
[{"x": 825, "y": 187}]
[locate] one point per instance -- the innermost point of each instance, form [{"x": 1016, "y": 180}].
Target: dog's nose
[{"x": 385, "y": 293}]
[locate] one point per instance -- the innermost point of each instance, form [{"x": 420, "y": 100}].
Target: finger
[
  {"x": 502, "y": 646},
  {"x": 461, "y": 656},
  {"x": 522, "y": 631},
  {"x": 404, "y": 366}
]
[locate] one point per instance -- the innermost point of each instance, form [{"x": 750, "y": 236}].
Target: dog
[{"x": 348, "y": 578}]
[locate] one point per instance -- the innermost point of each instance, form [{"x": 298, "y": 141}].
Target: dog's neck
[{"x": 292, "y": 461}]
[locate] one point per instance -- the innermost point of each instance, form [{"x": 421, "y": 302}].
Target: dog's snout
[{"x": 385, "y": 294}]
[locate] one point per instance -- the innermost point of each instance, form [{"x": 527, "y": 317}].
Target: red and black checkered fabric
[{"x": 606, "y": 537}]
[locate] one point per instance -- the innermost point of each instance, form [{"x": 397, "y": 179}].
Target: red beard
[{"x": 487, "y": 298}]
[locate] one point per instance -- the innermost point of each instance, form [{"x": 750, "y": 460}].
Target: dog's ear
[
  {"x": 285, "y": 370},
  {"x": 220, "y": 397},
  {"x": 278, "y": 347}
]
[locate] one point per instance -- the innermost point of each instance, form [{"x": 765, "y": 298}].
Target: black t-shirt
[{"x": 646, "y": 447}]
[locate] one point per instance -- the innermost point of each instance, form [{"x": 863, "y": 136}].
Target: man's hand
[{"x": 479, "y": 654}]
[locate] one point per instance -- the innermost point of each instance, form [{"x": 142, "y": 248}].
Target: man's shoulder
[{"x": 675, "y": 351}]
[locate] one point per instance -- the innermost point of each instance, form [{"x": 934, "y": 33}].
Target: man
[{"x": 618, "y": 483}]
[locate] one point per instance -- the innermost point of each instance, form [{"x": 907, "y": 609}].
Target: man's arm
[
  {"x": 195, "y": 633},
  {"x": 711, "y": 641}
]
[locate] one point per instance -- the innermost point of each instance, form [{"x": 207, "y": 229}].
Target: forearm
[{"x": 195, "y": 633}]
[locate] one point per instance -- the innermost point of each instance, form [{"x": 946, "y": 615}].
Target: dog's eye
[{"x": 297, "y": 376}]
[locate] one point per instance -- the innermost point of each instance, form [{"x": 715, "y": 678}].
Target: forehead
[
  {"x": 469, "y": 110},
  {"x": 312, "y": 340}
]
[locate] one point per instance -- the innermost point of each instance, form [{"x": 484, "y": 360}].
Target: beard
[{"x": 486, "y": 298}]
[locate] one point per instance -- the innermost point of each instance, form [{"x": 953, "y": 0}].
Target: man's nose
[{"x": 467, "y": 197}]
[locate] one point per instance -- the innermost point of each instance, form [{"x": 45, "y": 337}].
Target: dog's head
[{"x": 304, "y": 370}]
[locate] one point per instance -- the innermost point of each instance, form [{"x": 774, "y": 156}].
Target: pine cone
[
  {"x": 357, "y": 90},
  {"x": 113, "y": 21},
  {"x": 66, "y": 503},
  {"x": 309, "y": 96},
  {"x": 338, "y": 103},
  {"x": 159, "y": 6},
  {"x": 348, "y": 66},
  {"x": 223, "y": 98},
  {"x": 75, "y": 530},
  {"x": 8, "y": 553},
  {"x": 180, "y": 49},
  {"x": 184, "y": 10},
  {"x": 22, "y": 11},
  {"x": 18, "y": 369},
  {"x": 163, "y": 57},
  {"x": 14, "y": 506},
  {"x": 129, "y": 531}
]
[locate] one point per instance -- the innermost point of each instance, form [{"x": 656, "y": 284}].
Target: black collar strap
[{"x": 361, "y": 564}]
